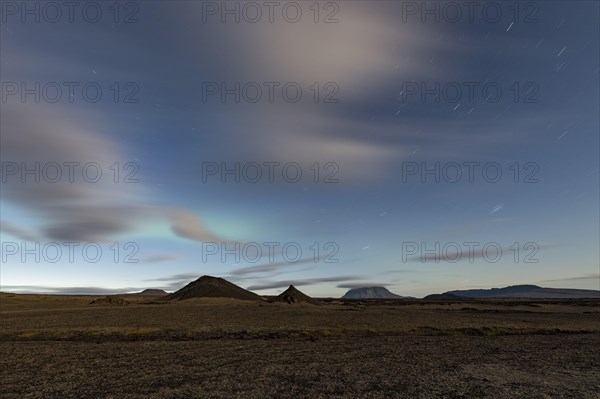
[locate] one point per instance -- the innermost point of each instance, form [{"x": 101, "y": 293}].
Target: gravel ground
[{"x": 519, "y": 366}]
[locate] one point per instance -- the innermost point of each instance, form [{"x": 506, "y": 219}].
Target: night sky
[{"x": 355, "y": 144}]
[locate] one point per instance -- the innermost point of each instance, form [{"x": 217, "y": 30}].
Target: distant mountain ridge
[
  {"x": 370, "y": 293},
  {"x": 526, "y": 291},
  {"x": 445, "y": 295},
  {"x": 153, "y": 291}
]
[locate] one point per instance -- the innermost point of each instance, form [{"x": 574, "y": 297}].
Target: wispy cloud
[
  {"x": 361, "y": 56},
  {"x": 187, "y": 224},
  {"x": 73, "y": 208},
  {"x": 362, "y": 285},
  {"x": 270, "y": 267},
  {"x": 158, "y": 258},
  {"x": 180, "y": 276},
  {"x": 18, "y": 232},
  {"x": 70, "y": 208},
  {"x": 475, "y": 253},
  {"x": 584, "y": 277},
  {"x": 300, "y": 282},
  {"x": 40, "y": 289}
]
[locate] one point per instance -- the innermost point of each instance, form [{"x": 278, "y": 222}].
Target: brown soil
[
  {"x": 54, "y": 346},
  {"x": 110, "y": 300}
]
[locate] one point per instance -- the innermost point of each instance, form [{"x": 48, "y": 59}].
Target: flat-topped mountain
[
  {"x": 526, "y": 291},
  {"x": 370, "y": 293},
  {"x": 213, "y": 287}
]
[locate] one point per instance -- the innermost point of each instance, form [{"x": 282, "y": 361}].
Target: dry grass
[{"x": 61, "y": 347}]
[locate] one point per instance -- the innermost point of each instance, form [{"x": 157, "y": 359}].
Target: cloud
[
  {"x": 18, "y": 232},
  {"x": 365, "y": 55},
  {"x": 186, "y": 224},
  {"x": 362, "y": 49},
  {"x": 281, "y": 284},
  {"x": 180, "y": 276},
  {"x": 476, "y": 252},
  {"x": 584, "y": 277},
  {"x": 40, "y": 289},
  {"x": 72, "y": 207},
  {"x": 157, "y": 258},
  {"x": 292, "y": 136},
  {"x": 269, "y": 267},
  {"x": 176, "y": 281},
  {"x": 362, "y": 285},
  {"x": 398, "y": 271},
  {"x": 75, "y": 207}
]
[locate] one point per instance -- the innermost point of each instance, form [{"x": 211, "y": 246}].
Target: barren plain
[{"x": 59, "y": 346}]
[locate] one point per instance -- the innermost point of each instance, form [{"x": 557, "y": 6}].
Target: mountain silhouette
[
  {"x": 526, "y": 291},
  {"x": 212, "y": 287},
  {"x": 370, "y": 293},
  {"x": 445, "y": 295},
  {"x": 153, "y": 291},
  {"x": 293, "y": 295}
]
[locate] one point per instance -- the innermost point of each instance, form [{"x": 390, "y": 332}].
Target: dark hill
[
  {"x": 152, "y": 291},
  {"x": 442, "y": 296},
  {"x": 526, "y": 291},
  {"x": 293, "y": 295},
  {"x": 213, "y": 287}
]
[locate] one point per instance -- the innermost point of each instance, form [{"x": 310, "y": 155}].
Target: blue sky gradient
[{"x": 370, "y": 138}]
